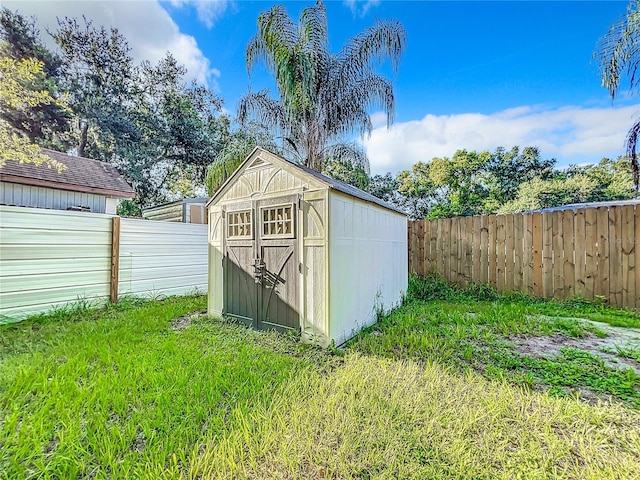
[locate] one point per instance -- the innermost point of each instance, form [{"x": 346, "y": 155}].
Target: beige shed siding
[
  {"x": 158, "y": 258},
  {"x": 215, "y": 261},
  {"x": 314, "y": 292},
  {"x": 368, "y": 263},
  {"x": 49, "y": 258}
]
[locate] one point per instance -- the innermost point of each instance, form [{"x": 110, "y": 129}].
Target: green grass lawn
[{"x": 435, "y": 390}]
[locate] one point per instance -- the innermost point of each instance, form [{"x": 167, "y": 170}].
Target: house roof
[
  {"x": 332, "y": 183},
  {"x": 81, "y": 175},
  {"x": 576, "y": 206}
]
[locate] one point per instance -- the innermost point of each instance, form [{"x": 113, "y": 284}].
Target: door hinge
[{"x": 300, "y": 267}]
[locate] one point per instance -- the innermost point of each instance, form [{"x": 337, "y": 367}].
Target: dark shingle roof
[
  {"x": 347, "y": 188},
  {"x": 82, "y": 175}
]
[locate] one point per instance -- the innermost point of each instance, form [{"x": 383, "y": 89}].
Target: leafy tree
[
  {"x": 322, "y": 96},
  {"x": 508, "y": 169},
  {"x": 100, "y": 75},
  {"x": 14, "y": 96},
  {"x": 159, "y": 130},
  {"x": 608, "y": 180},
  {"x": 45, "y": 123},
  {"x": 561, "y": 190},
  {"x": 618, "y": 53}
]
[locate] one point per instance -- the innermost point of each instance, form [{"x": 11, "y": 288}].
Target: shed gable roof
[
  {"x": 82, "y": 175},
  {"x": 308, "y": 174}
]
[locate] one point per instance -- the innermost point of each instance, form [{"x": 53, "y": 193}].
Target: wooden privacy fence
[
  {"x": 588, "y": 252},
  {"x": 49, "y": 258}
]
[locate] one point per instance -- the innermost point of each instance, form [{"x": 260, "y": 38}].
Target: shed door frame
[{"x": 250, "y": 302}]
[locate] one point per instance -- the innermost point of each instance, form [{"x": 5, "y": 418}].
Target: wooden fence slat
[
  {"x": 467, "y": 236},
  {"x": 454, "y": 252},
  {"x": 440, "y": 248},
  {"x": 509, "y": 267},
  {"x": 536, "y": 253},
  {"x": 420, "y": 253},
  {"x": 433, "y": 247},
  {"x": 501, "y": 237},
  {"x": 580, "y": 246},
  {"x": 518, "y": 252},
  {"x": 591, "y": 253},
  {"x": 557, "y": 254},
  {"x": 410, "y": 228},
  {"x": 615, "y": 256},
  {"x": 547, "y": 254},
  {"x": 426, "y": 245},
  {"x": 446, "y": 248},
  {"x": 484, "y": 249},
  {"x": 628, "y": 256},
  {"x": 602, "y": 229},
  {"x": 476, "y": 249},
  {"x": 492, "y": 251},
  {"x": 568, "y": 249},
  {"x": 527, "y": 254}
]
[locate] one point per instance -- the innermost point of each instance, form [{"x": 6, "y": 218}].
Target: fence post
[{"x": 115, "y": 259}]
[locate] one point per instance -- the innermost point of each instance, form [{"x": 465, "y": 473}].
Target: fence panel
[
  {"x": 178, "y": 267},
  {"x": 50, "y": 258},
  {"x": 590, "y": 252}
]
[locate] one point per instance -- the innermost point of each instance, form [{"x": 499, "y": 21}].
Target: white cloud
[
  {"x": 209, "y": 11},
  {"x": 571, "y": 134},
  {"x": 146, "y": 25},
  {"x": 360, "y": 8}
]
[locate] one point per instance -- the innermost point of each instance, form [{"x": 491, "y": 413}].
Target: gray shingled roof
[
  {"x": 82, "y": 174},
  {"x": 347, "y": 188}
]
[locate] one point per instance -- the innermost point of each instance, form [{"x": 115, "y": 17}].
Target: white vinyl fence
[{"x": 51, "y": 258}]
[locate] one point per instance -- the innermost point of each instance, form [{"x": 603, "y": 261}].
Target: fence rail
[
  {"x": 50, "y": 258},
  {"x": 589, "y": 252}
]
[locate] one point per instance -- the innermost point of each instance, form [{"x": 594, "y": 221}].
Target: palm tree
[
  {"x": 618, "y": 53},
  {"x": 322, "y": 97}
]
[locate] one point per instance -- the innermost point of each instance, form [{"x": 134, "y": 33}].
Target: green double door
[{"x": 261, "y": 264}]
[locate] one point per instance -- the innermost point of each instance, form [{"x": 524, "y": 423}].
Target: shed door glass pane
[
  {"x": 277, "y": 221},
  {"x": 239, "y": 224}
]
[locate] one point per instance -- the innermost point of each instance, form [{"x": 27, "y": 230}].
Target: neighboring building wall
[
  {"x": 367, "y": 262},
  {"x": 43, "y": 197},
  {"x": 178, "y": 211},
  {"x": 169, "y": 212}
]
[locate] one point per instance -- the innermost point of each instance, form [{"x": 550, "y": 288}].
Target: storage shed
[{"x": 292, "y": 249}]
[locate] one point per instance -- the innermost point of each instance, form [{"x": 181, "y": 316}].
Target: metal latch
[{"x": 258, "y": 269}]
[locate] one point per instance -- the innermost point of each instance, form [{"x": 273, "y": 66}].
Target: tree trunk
[{"x": 84, "y": 128}]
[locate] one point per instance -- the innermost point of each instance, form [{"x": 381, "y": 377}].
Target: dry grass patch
[{"x": 381, "y": 418}]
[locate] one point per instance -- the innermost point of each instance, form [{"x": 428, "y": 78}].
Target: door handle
[{"x": 258, "y": 270}]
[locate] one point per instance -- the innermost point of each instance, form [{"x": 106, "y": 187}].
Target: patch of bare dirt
[
  {"x": 606, "y": 348},
  {"x": 185, "y": 321}
]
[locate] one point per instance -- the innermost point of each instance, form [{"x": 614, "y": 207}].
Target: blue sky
[{"x": 474, "y": 75}]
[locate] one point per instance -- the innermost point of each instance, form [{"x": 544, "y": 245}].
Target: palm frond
[
  {"x": 631, "y": 145},
  {"x": 385, "y": 40},
  {"x": 618, "y": 52},
  {"x": 262, "y": 108},
  {"x": 348, "y": 152}
]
